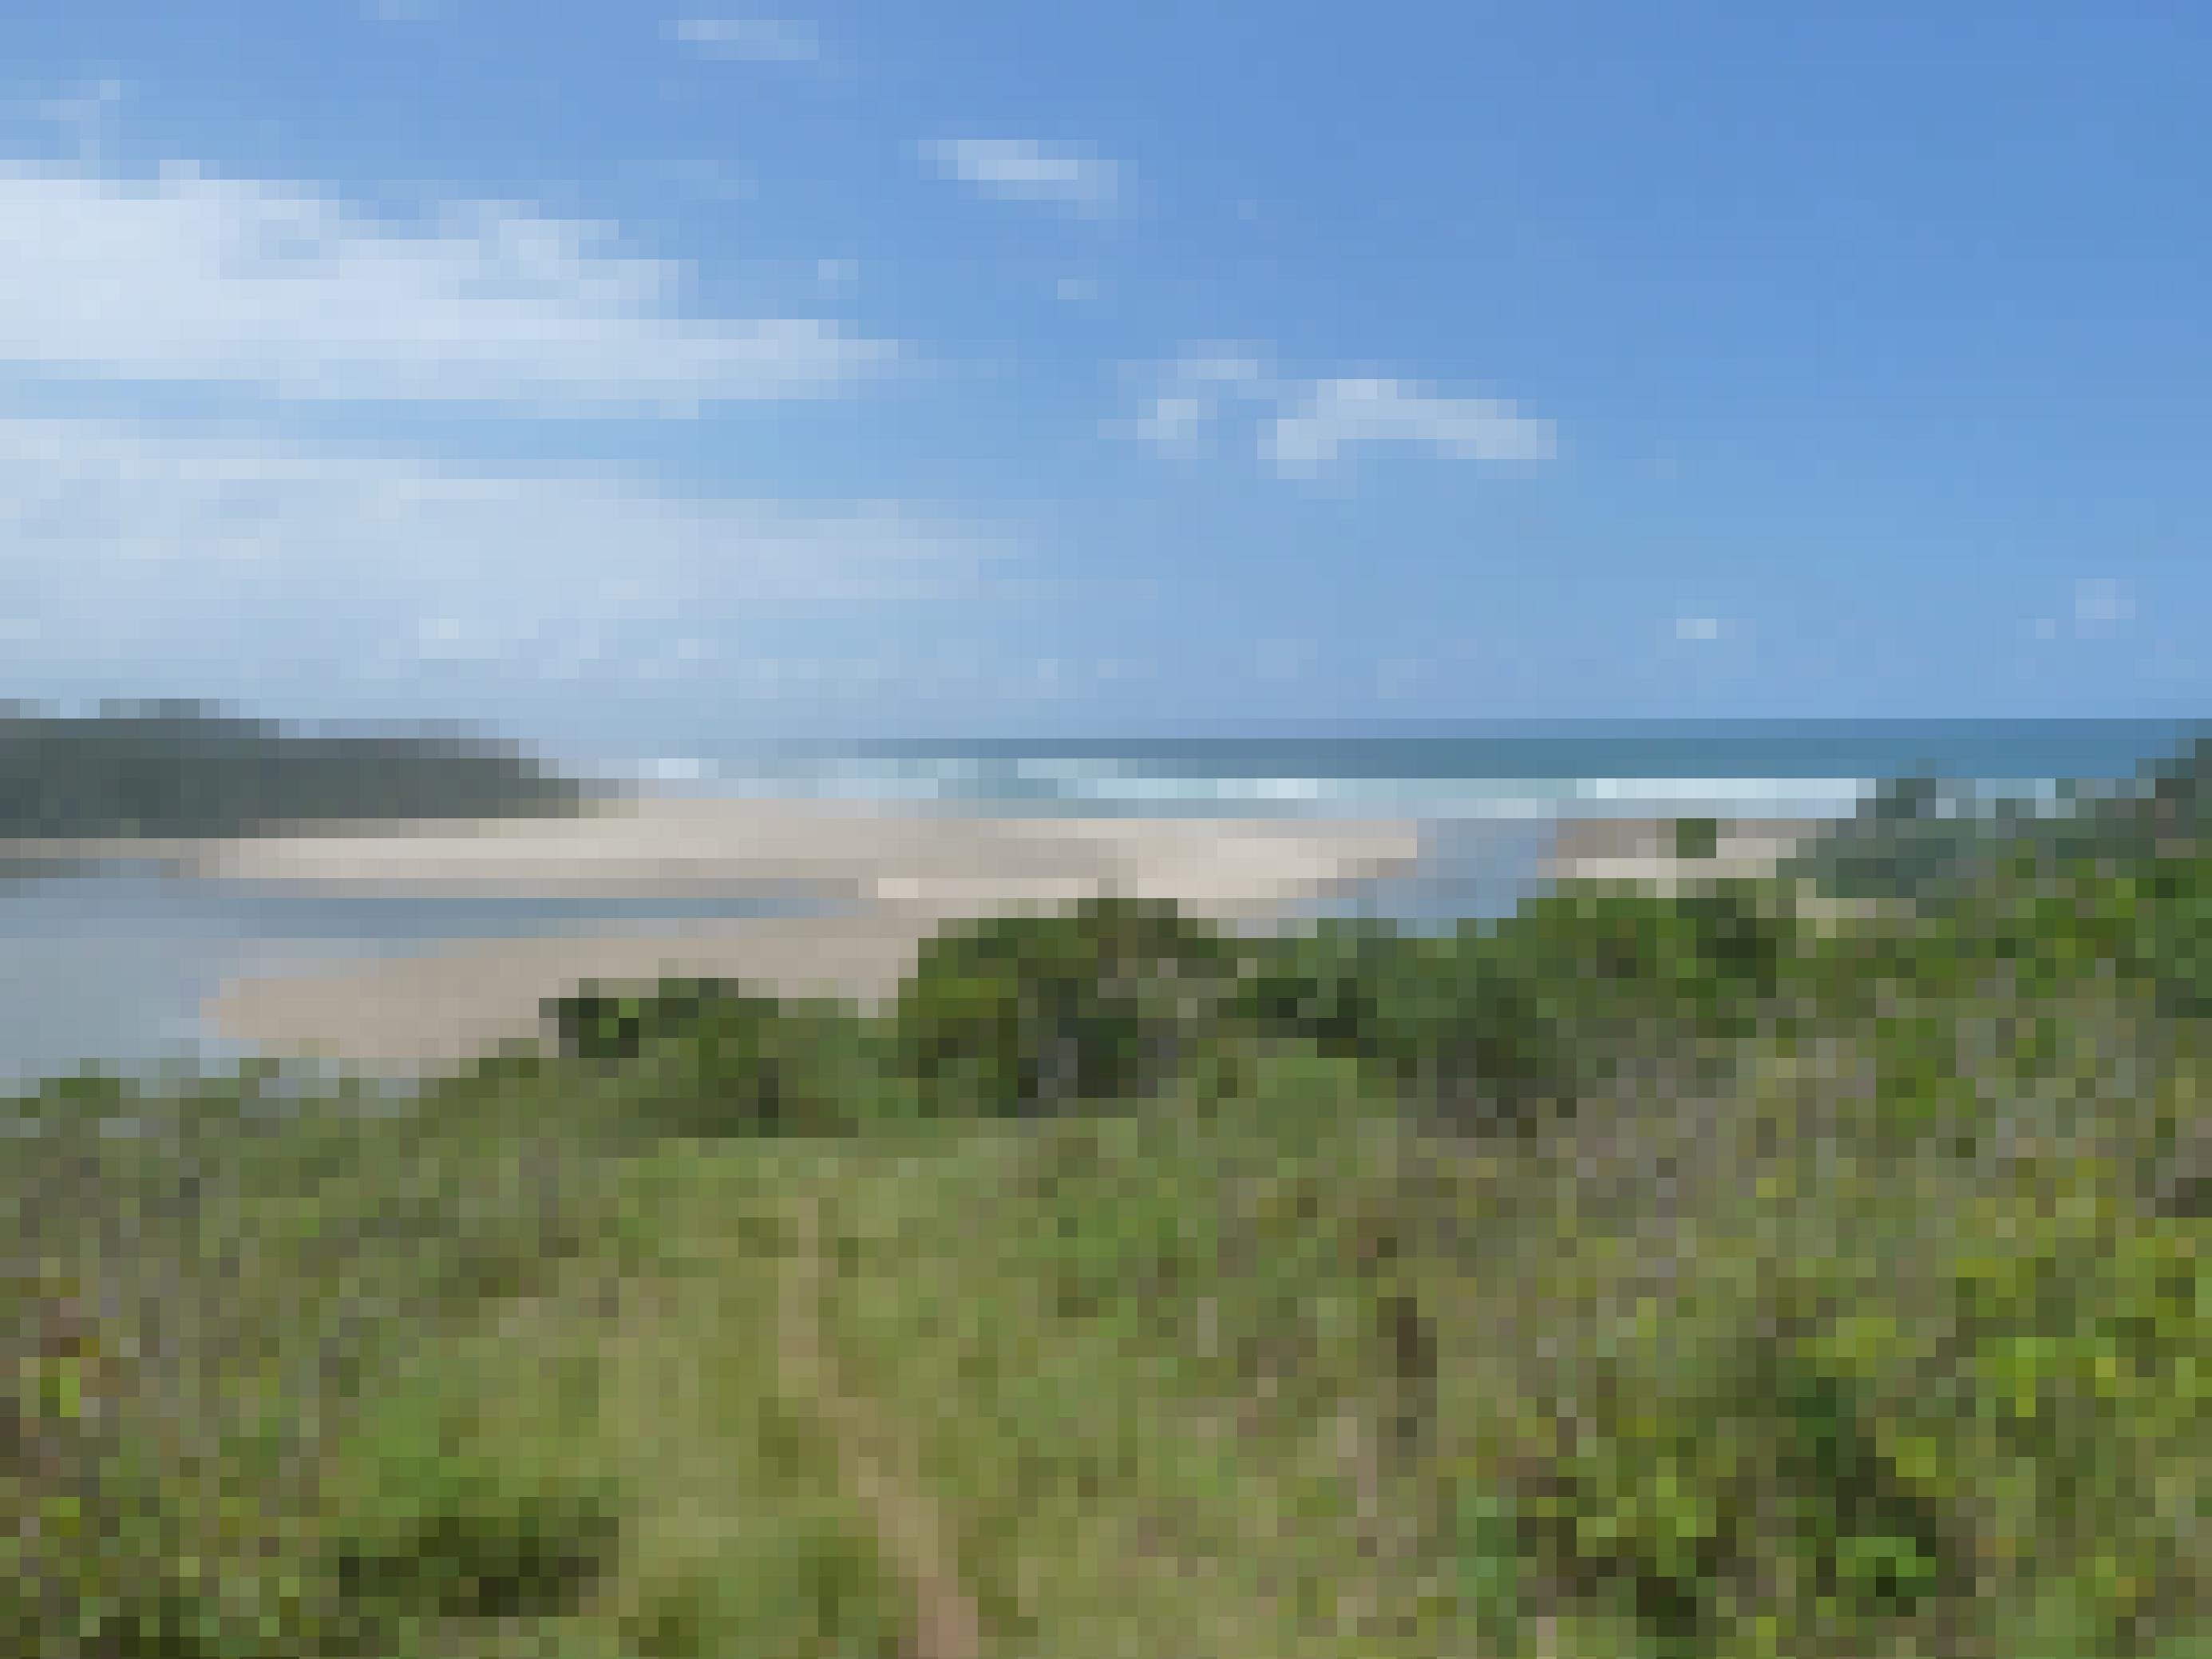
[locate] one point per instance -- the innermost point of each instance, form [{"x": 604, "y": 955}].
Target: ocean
[
  {"x": 115, "y": 967},
  {"x": 1525, "y": 771}
]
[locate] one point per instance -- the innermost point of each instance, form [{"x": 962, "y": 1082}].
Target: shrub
[
  {"x": 1472, "y": 1033},
  {"x": 1021, "y": 1014},
  {"x": 822, "y": 1592},
  {"x": 1453, "y": 1019},
  {"x": 1329, "y": 986},
  {"x": 106, "y": 1551},
  {"x": 496, "y": 1555},
  {"x": 434, "y": 1522},
  {"x": 2088, "y": 1366},
  {"x": 1706, "y": 1504},
  {"x": 597, "y": 1022},
  {"x": 1613, "y": 959},
  {"x": 1505, "y": 1024},
  {"x": 1697, "y": 838},
  {"x": 707, "y": 1058}
]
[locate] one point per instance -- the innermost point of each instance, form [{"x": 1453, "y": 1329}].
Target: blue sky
[{"x": 596, "y": 370}]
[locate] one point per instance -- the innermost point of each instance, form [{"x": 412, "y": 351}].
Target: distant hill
[{"x": 178, "y": 771}]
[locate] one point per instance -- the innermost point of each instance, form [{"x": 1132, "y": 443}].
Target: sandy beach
[
  {"x": 901, "y": 875},
  {"x": 860, "y": 854}
]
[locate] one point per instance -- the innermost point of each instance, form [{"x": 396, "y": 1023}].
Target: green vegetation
[
  {"x": 1025, "y": 1014},
  {"x": 1697, "y": 838},
  {"x": 180, "y": 772},
  {"x": 1921, "y": 839},
  {"x": 1720, "y": 1275}
]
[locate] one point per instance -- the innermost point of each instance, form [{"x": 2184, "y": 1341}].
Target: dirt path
[{"x": 946, "y": 1623}]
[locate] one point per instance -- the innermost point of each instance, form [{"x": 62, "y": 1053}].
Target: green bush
[
  {"x": 1725, "y": 940},
  {"x": 489, "y": 1555},
  {"x": 1697, "y": 838},
  {"x": 1452, "y": 1020},
  {"x": 821, "y": 1593},
  {"x": 597, "y": 1022},
  {"x": 1484, "y": 1541},
  {"x": 1329, "y": 987},
  {"x": 1910, "y": 840},
  {"x": 107, "y": 1551},
  {"x": 2036, "y": 924},
  {"x": 1992, "y": 1442},
  {"x": 433, "y": 1522},
  {"x": 1532, "y": 1013},
  {"x": 1023, "y": 1014},
  {"x": 707, "y": 1058},
  {"x": 2089, "y": 1364},
  {"x": 1708, "y": 1505},
  {"x": 1498, "y": 1023}
]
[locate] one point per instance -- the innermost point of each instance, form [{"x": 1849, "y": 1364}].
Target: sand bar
[
  {"x": 904, "y": 874},
  {"x": 861, "y": 854},
  {"x": 900, "y": 875}
]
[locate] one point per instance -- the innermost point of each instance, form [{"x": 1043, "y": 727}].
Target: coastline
[
  {"x": 897, "y": 876},
  {"x": 901, "y": 875},
  {"x": 859, "y": 853}
]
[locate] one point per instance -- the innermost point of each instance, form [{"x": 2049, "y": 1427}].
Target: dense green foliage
[
  {"x": 1920, "y": 838},
  {"x": 1697, "y": 838},
  {"x": 180, "y": 773},
  {"x": 710, "y": 1058},
  {"x": 1716, "y": 1275},
  {"x": 1029, "y": 1013}
]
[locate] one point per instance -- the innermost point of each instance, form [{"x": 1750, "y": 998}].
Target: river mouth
[
  {"x": 111, "y": 964},
  {"x": 115, "y": 961}
]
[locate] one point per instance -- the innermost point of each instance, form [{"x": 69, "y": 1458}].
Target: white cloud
[
  {"x": 283, "y": 287},
  {"x": 1304, "y": 428},
  {"x": 126, "y": 541},
  {"x": 1188, "y": 397},
  {"x": 750, "y": 39},
  {"x": 1023, "y": 169},
  {"x": 1175, "y": 421},
  {"x": 1329, "y": 416},
  {"x": 1700, "y": 627}
]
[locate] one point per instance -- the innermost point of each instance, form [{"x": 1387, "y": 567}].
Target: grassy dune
[{"x": 1636, "y": 1277}]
